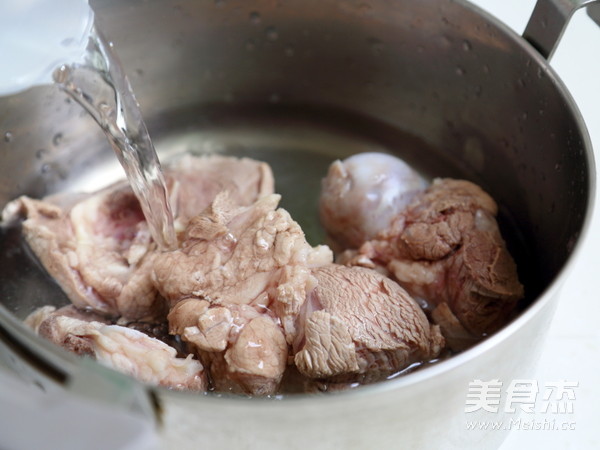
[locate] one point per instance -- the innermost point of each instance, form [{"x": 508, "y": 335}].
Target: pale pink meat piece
[
  {"x": 244, "y": 350},
  {"x": 444, "y": 248},
  {"x": 236, "y": 288},
  {"x": 98, "y": 247},
  {"x": 255, "y": 255},
  {"x": 40, "y": 315},
  {"x": 126, "y": 350},
  {"x": 194, "y": 182},
  {"x": 361, "y": 326}
]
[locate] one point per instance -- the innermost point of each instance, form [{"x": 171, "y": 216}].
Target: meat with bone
[
  {"x": 98, "y": 247},
  {"x": 124, "y": 349},
  {"x": 445, "y": 247},
  {"x": 362, "y": 326},
  {"x": 236, "y": 287}
]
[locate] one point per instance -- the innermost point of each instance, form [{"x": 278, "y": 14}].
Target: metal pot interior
[{"x": 301, "y": 83}]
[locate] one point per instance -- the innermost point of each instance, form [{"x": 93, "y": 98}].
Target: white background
[{"x": 572, "y": 351}]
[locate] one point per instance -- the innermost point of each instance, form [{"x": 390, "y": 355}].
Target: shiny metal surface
[
  {"x": 594, "y": 12},
  {"x": 300, "y": 83},
  {"x": 548, "y": 22}
]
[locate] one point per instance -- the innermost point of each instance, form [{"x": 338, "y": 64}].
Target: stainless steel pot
[{"x": 299, "y": 83}]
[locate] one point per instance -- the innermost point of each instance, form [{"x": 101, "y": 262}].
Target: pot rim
[{"x": 61, "y": 358}]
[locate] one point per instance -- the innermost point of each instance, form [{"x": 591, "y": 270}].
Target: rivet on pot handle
[{"x": 549, "y": 20}]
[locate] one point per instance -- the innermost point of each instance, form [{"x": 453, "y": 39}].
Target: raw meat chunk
[
  {"x": 362, "y": 326},
  {"x": 194, "y": 182},
  {"x": 254, "y": 255},
  {"x": 98, "y": 247},
  {"x": 236, "y": 287},
  {"x": 445, "y": 249},
  {"x": 363, "y": 194},
  {"x": 126, "y": 350}
]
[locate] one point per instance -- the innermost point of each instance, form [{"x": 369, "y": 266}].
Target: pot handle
[{"x": 549, "y": 20}]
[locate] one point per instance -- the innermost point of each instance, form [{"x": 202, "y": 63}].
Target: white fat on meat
[
  {"x": 363, "y": 194},
  {"x": 126, "y": 350}
]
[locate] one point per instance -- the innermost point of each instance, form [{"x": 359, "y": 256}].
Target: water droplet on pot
[
  {"x": 57, "y": 139},
  {"x": 473, "y": 153},
  {"x": 459, "y": 71},
  {"x": 46, "y": 168},
  {"x": 540, "y": 72},
  {"x": 250, "y": 45},
  {"x": 486, "y": 69},
  {"x": 289, "y": 51},
  {"x": 376, "y": 45},
  {"x": 272, "y": 34},
  {"x": 8, "y": 136},
  {"x": 39, "y": 154},
  {"x": 139, "y": 72},
  {"x": 446, "y": 42},
  {"x": 466, "y": 45},
  {"x": 254, "y": 17},
  {"x": 558, "y": 167}
]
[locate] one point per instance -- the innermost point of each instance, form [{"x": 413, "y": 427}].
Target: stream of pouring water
[{"x": 101, "y": 87}]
